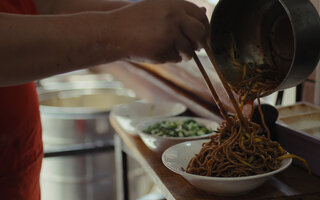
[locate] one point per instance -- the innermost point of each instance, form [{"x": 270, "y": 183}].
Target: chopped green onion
[{"x": 178, "y": 128}]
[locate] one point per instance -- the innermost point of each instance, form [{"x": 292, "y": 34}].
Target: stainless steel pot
[
  {"x": 78, "y": 115},
  {"x": 284, "y": 31},
  {"x": 82, "y": 177},
  {"x": 79, "y": 80}
]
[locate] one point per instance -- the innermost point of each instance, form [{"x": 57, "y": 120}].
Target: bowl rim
[
  {"x": 141, "y": 133},
  {"x": 49, "y": 110},
  {"x": 287, "y": 163},
  {"x": 115, "y": 110}
]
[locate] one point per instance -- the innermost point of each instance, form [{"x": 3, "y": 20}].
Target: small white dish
[
  {"x": 129, "y": 115},
  {"x": 160, "y": 143},
  {"x": 178, "y": 156}
]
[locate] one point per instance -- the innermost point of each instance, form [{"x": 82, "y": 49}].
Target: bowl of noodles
[{"x": 179, "y": 157}]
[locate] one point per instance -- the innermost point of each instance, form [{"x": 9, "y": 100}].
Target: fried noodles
[{"x": 236, "y": 151}]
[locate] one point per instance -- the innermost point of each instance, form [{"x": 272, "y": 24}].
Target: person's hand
[
  {"x": 153, "y": 30},
  {"x": 159, "y": 30}
]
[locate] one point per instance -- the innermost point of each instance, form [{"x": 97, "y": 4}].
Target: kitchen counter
[{"x": 293, "y": 183}]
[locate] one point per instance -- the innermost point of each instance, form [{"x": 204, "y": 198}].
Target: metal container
[
  {"x": 80, "y": 79},
  {"x": 79, "y": 116},
  {"x": 284, "y": 32},
  {"x": 82, "y": 177}
]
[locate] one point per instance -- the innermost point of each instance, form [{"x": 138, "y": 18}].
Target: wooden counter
[{"x": 293, "y": 183}]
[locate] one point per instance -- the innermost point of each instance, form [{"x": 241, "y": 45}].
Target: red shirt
[{"x": 21, "y": 149}]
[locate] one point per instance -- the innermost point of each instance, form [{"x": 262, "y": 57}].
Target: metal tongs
[{"x": 224, "y": 83}]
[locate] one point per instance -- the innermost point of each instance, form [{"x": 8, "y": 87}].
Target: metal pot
[
  {"x": 82, "y": 177},
  {"x": 72, "y": 116},
  {"x": 284, "y": 31},
  {"x": 79, "y": 115},
  {"x": 79, "y": 80}
]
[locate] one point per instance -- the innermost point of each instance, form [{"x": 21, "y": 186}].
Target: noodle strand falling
[{"x": 237, "y": 151}]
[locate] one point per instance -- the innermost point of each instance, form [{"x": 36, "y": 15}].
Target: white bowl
[
  {"x": 160, "y": 143},
  {"x": 129, "y": 115},
  {"x": 178, "y": 156}
]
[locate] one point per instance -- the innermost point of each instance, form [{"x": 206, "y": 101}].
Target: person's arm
[
  {"x": 74, "y": 6},
  {"x": 34, "y": 47}
]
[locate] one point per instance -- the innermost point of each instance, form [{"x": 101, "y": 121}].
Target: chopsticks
[
  {"x": 224, "y": 83},
  {"x": 211, "y": 88}
]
